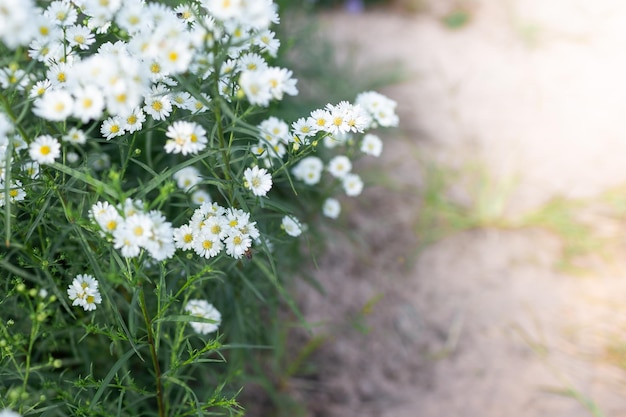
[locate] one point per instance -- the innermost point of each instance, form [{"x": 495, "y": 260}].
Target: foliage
[{"x": 152, "y": 201}]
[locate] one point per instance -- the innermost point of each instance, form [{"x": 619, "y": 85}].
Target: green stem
[{"x": 153, "y": 353}]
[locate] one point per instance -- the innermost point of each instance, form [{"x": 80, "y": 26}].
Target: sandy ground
[{"x": 483, "y": 322}]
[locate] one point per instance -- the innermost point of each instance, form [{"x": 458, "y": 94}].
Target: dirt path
[{"x": 484, "y": 322}]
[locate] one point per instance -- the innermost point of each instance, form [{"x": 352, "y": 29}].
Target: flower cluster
[
  {"x": 83, "y": 291},
  {"x": 204, "y": 310},
  {"x": 133, "y": 230},
  {"x": 213, "y": 228}
]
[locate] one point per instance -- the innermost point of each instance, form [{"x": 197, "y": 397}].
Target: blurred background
[{"x": 482, "y": 272}]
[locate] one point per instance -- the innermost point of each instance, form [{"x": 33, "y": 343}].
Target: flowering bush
[{"x": 146, "y": 195}]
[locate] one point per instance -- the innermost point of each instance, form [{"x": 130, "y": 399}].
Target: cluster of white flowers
[
  {"x": 83, "y": 291},
  {"x": 204, "y": 310},
  {"x": 126, "y": 80},
  {"x": 213, "y": 228},
  {"x": 133, "y": 230},
  {"x": 340, "y": 123}
]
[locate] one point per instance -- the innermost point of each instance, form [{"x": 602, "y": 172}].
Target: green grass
[{"x": 484, "y": 204}]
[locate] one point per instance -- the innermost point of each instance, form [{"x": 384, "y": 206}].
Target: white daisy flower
[
  {"x": 237, "y": 244},
  {"x": 75, "y": 135},
  {"x": 206, "y": 244},
  {"x": 371, "y": 145},
  {"x": 292, "y": 226},
  {"x": 187, "y": 177},
  {"x": 203, "y": 309},
  {"x": 258, "y": 180},
  {"x": 183, "y": 237},
  {"x": 83, "y": 291},
  {"x": 79, "y": 36},
  {"x": 112, "y": 127},
  {"x": 200, "y": 196},
  {"x": 331, "y": 208},
  {"x": 352, "y": 184},
  {"x": 44, "y": 149},
  {"x": 54, "y": 105},
  {"x": 339, "y": 166}
]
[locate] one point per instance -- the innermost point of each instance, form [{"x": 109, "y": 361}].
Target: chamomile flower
[
  {"x": 237, "y": 244},
  {"x": 185, "y": 138},
  {"x": 258, "y": 180},
  {"x": 280, "y": 82},
  {"x": 54, "y": 105},
  {"x": 309, "y": 170},
  {"x": 183, "y": 237},
  {"x": 302, "y": 129},
  {"x": 256, "y": 87},
  {"x": 61, "y": 12},
  {"x": 44, "y": 149},
  {"x": 16, "y": 192},
  {"x": 84, "y": 292},
  {"x": 379, "y": 107},
  {"x": 88, "y": 103},
  {"x": 187, "y": 177},
  {"x": 79, "y": 36},
  {"x": 371, "y": 145},
  {"x": 39, "y": 88},
  {"x": 75, "y": 135},
  {"x": 320, "y": 119},
  {"x": 133, "y": 121},
  {"x": 291, "y": 226},
  {"x": 206, "y": 244},
  {"x": 267, "y": 41},
  {"x": 31, "y": 169},
  {"x": 112, "y": 127},
  {"x": 204, "y": 310},
  {"x": 200, "y": 196},
  {"x": 331, "y": 208},
  {"x": 352, "y": 184},
  {"x": 339, "y": 166},
  {"x": 158, "y": 103}
]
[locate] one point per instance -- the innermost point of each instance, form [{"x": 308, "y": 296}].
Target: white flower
[
  {"x": 16, "y": 192},
  {"x": 158, "y": 103},
  {"x": 380, "y": 108},
  {"x": 133, "y": 121},
  {"x": 309, "y": 170},
  {"x": 237, "y": 244},
  {"x": 280, "y": 82},
  {"x": 54, "y": 105},
  {"x": 187, "y": 177},
  {"x": 339, "y": 166},
  {"x": 185, "y": 138},
  {"x": 8, "y": 413},
  {"x": 83, "y": 291},
  {"x": 112, "y": 127},
  {"x": 80, "y": 36},
  {"x": 88, "y": 103},
  {"x": 331, "y": 208},
  {"x": 292, "y": 226},
  {"x": 256, "y": 87},
  {"x": 75, "y": 135},
  {"x": 371, "y": 145},
  {"x": 319, "y": 119},
  {"x": 352, "y": 184},
  {"x": 204, "y": 310},
  {"x": 44, "y": 149},
  {"x": 31, "y": 169},
  {"x": 200, "y": 196},
  {"x": 258, "y": 180},
  {"x": 183, "y": 237},
  {"x": 207, "y": 244}
]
